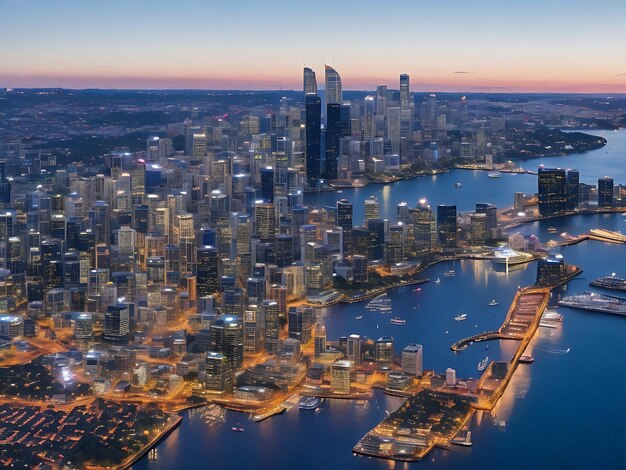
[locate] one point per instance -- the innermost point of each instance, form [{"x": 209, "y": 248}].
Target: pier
[{"x": 432, "y": 417}]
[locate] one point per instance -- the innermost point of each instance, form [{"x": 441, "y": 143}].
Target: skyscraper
[
  {"x": 207, "y": 271},
  {"x": 446, "y": 225},
  {"x": 270, "y": 315},
  {"x": 116, "y": 323},
  {"x": 372, "y": 209},
  {"x": 572, "y": 189},
  {"x": 219, "y": 373},
  {"x": 313, "y": 123},
  {"x": 605, "y": 192},
  {"x": 333, "y": 131},
  {"x": 344, "y": 220},
  {"x": 412, "y": 359},
  {"x": 332, "y": 86},
  {"x": 405, "y": 102},
  {"x": 552, "y": 188},
  {"x": 310, "y": 83}
]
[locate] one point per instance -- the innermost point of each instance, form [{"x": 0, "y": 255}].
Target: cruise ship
[
  {"x": 461, "y": 317},
  {"x": 450, "y": 273},
  {"x": 308, "y": 403},
  {"x": 595, "y": 303},
  {"x": 511, "y": 257},
  {"x": 610, "y": 282},
  {"x": 495, "y": 174},
  {"x": 482, "y": 365},
  {"x": 398, "y": 321}
]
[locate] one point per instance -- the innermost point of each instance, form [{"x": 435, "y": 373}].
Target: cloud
[
  {"x": 462, "y": 71},
  {"x": 620, "y": 74}
]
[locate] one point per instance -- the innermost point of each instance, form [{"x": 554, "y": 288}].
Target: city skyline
[{"x": 452, "y": 47}]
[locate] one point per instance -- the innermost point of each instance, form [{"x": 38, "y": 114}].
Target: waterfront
[{"x": 562, "y": 398}]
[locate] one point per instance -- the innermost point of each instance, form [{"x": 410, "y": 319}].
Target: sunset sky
[{"x": 564, "y": 45}]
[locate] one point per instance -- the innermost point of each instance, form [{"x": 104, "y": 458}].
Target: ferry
[
  {"x": 510, "y": 257},
  {"x": 552, "y": 229},
  {"x": 526, "y": 359},
  {"x": 493, "y": 303},
  {"x": 398, "y": 321},
  {"x": 461, "y": 317},
  {"x": 360, "y": 317},
  {"x": 450, "y": 273},
  {"x": 463, "y": 438},
  {"x": 495, "y": 174},
  {"x": 237, "y": 428},
  {"x": 482, "y": 365},
  {"x": 308, "y": 403},
  {"x": 418, "y": 289},
  {"x": 551, "y": 315}
]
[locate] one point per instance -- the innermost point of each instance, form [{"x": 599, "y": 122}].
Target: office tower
[
  {"x": 372, "y": 209},
  {"x": 265, "y": 220},
  {"x": 394, "y": 121},
  {"x": 405, "y": 97},
  {"x": 478, "y": 228},
  {"x": 381, "y": 100},
  {"x": 310, "y": 83},
  {"x": 319, "y": 339},
  {"x": 219, "y": 373},
  {"x": 450, "y": 377},
  {"x": 252, "y": 331},
  {"x": 116, "y": 323},
  {"x": 412, "y": 360},
  {"x": 344, "y": 220},
  {"x": 313, "y": 123},
  {"x": 552, "y": 189},
  {"x": 332, "y": 89},
  {"x": 519, "y": 200},
  {"x": 100, "y": 217},
  {"x": 446, "y": 225},
  {"x": 491, "y": 217},
  {"x": 384, "y": 349},
  {"x": 395, "y": 243},
  {"x": 83, "y": 326},
  {"x": 226, "y": 335},
  {"x": 605, "y": 192},
  {"x": 376, "y": 239},
  {"x": 359, "y": 268},
  {"x": 402, "y": 213},
  {"x": 340, "y": 372},
  {"x": 353, "y": 352},
  {"x": 207, "y": 270},
  {"x": 333, "y": 132},
  {"x": 572, "y": 179},
  {"x": 152, "y": 149},
  {"x": 267, "y": 184},
  {"x": 270, "y": 314}
]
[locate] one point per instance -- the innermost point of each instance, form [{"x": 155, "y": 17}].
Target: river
[{"x": 563, "y": 411}]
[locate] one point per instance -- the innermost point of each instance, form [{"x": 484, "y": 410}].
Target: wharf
[{"x": 163, "y": 434}]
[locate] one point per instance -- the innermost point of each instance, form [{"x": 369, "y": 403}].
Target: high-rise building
[
  {"x": 265, "y": 220},
  {"x": 446, "y": 225},
  {"x": 491, "y": 217},
  {"x": 116, "y": 323},
  {"x": 270, "y": 314},
  {"x": 405, "y": 96},
  {"x": 332, "y": 135},
  {"x": 424, "y": 228},
  {"x": 376, "y": 239},
  {"x": 227, "y": 338},
  {"x": 319, "y": 340},
  {"x": 219, "y": 373},
  {"x": 384, "y": 349},
  {"x": 353, "y": 352},
  {"x": 267, "y": 184},
  {"x": 310, "y": 82},
  {"x": 344, "y": 220},
  {"x": 313, "y": 123},
  {"x": 372, "y": 209},
  {"x": 412, "y": 359},
  {"x": 605, "y": 192},
  {"x": 573, "y": 180},
  {"x": 332, "y": 89},
  {"x": 450, "y": 377},
  {"x": 207, "y": 272},
  {"x": 340, "y": 372},
  {"x": 552, "y": 189}
]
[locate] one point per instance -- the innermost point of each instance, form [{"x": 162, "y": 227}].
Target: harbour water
[{"x": 563, "y": 411}]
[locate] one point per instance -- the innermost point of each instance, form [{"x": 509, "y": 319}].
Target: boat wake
[{"x": 559, "y": 351}]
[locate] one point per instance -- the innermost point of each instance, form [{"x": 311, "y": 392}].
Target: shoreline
[{"x": 162, "y": 435}]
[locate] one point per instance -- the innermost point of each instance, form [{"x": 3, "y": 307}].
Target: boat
[
  {"x": 595, "y": 303},
  {"x": 360, "y": 317},
  {"x": 458, "y": 185},
  {"x": 308, "y": 403},
  {"x": 437, "y": 281},
  {"x": 361, "y": 402},
  {"x": 398, "y": 321},
  {"x": 551, "y": 315},
  {"x": 493, "y": 303},
  {"x": 486, "y": 347},
  {"x": 494, "y": 174},
  {"x": 526, "y": 359},
  {"x": 237, "y": 428},
  {"x": 418, "y": 289},
  {"x": 552, "y": 229},
  {"x": 610, "y": 282},
  {"x": 461, "y": 317},
  {"x": 318, "y": 409},
  {"x": 508, "y": 256},
  {"x": 450, "y": 273},
  {"x": 482, "y": 365},
  {"x": 463, "y": 438}
]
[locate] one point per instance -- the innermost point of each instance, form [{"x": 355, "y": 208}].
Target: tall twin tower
[{"x": 339, "y": 121}]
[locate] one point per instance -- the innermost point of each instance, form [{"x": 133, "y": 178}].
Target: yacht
[
  {"x": 461, "y": 317},
  {"x": 553, "y": 229},
  {"x": 237, "y": 428},
  {"x": 437, "y": 281},
  {"x": 360, "y": 317},
  {"x": 526, "y": 359},
  {"x": 493, "y": 303},
  {"x": 551, "y": 315},
  {"x": 495, "y": 174},
  {"x": 450, "y": 273},
  {"x": 482, "y": 365},
  {"x": 398, "y": 321},
  {"x": 419, "y": 289},
  {"x": 458, "y": 185},
  {"x": 506, "y": 255}
]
